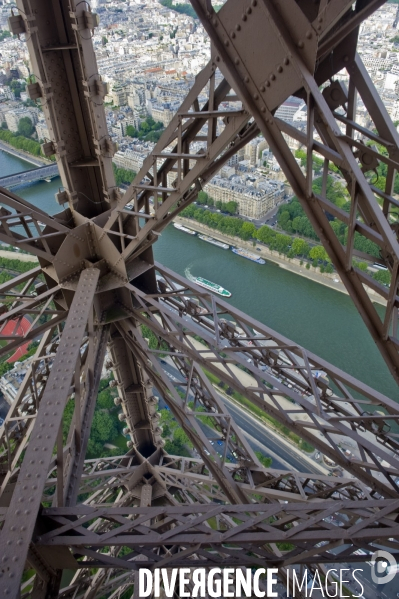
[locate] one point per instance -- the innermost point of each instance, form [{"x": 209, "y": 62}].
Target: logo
[{"x": 383, "y": 567}]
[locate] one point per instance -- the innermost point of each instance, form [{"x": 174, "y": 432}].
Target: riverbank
[
  {"x": 293, "y": 265},
  {"x": 37, "y": 161},
  {"x": 17, "y": 256}
]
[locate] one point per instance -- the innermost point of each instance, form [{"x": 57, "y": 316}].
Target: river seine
[{"x": 321, "y": 319}]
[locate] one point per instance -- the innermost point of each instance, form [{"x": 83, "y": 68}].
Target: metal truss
[{"x": 96, "y": 285}]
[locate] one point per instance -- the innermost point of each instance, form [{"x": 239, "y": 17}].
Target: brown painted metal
[{"x": 99, "y": 285}]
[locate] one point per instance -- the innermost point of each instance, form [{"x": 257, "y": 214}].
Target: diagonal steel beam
[
  {"x": 20, "y": 521},
  {"x": 291, "y": 70}
]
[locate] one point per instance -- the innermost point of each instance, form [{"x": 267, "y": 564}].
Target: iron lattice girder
[
  {"x": 290, "y": 70},
  {"x": 244, "y": 528},
  {"x": 192, "y": 480},
  {"x": 230, "y": 338},
  {"x": 20, "y": 520},
  {"x": 97, "y": 228}
]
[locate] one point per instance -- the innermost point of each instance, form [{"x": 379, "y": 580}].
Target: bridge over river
[{"x": 46, "y": 173}]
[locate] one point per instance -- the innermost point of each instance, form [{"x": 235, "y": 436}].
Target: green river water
[{"x": 321, "y": 319}]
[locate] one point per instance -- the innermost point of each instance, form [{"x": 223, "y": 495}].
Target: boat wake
[{"x": 188, "y": 275}]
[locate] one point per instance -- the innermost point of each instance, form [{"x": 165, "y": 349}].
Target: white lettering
[
  {"x": 244, "y": 582},
  {"x": 319, "y": 587},
  {"x": 333, "y": 583},
  {"x": 214, "y": 586},
  {"x": 257, "y": 592},
  {"x": 183, "y": 581},
  {"x": 169, "y": 586},
  {"x": 357, "y": 580},
  {"x": 227, "y": 582},
  {"x": 271, "y": 582},
  {"x": 295, "y": 583},
  {"x": 199, "y": 581},
  {"x": 145, "y": 582},
  {"x": 156, "y": 583},
  {"x": 342, "y": 581}
]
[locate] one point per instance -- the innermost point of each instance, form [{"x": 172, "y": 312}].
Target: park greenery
[
  {"x": 25, "y": 126},
  {"x": 20, "y": 142},
  {"x": 17, "y": 86},
  {"x": 123, "y": 176},
  {"x": 149, "y": 130},
  {"x": 230, "y": 207},
  {"x": 106, "y": 429},
  {"x": 4, "y": 35},
  {"x": 176, "y": 440},
  {"x": 185, "y": 9},
  {"x": 293, "y": 247}
]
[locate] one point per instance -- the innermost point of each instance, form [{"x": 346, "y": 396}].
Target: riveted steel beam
[{"x": 19, "y": 524}]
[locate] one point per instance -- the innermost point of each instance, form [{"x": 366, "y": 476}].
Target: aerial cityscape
[{"x": 245, "y": 243}]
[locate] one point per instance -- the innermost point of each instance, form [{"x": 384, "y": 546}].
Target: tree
[
  {"x": 202, "y": 197},
  {"x": 383, "y": 276},
  {"x": 319, "y": 253},
  {"x": 266, "y": 461},
  {"x": 266, "y": 234},
  {"x": 104, "y": 40},
  {"x": 300, "y": 247},
  {"x": 231, "y": 207},
  {"x": 329, "y": 268},
  {"x": 25, "y": 126},
  {"x": 282, "y": 243},
  {"x": 131, "y": 131},
  {"x": 248, "y": 230},
  {"x": 103, "y": 428}
]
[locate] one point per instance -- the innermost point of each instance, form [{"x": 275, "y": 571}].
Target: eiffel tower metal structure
[{"x": 96, "y": 284}]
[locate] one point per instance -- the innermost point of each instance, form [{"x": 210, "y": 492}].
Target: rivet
[
  {"x": 267, "y": 83},
  {"x": 15, "y": 558},
  {"x": 286, "y": 61},
  {"x": 236, "y": 61},
  {"x": 254, "y": 2},
  {"x": 272, "y": 77},
  {"x": 346, "y": 58},
  {"x": 246, "y": 79},
  {"x": 217, "y": 59},
  {"x": 300, "y": 44},
  {"x": 227, "y": 43},
  {"x": 244, "y": 17},
  {"x": 309, "y": 35},
  {"x": 233, "y": 34},
  {"x": 256, "y": 96},
  {"x": 279, "y": 68},
  {"x": 238, "y": 27},
  {"x": 263, "y": 109},
  {"x": 262, "y": 88},
  {"x": 249, "y": 10},
  {"x": 215, "y": 22}
]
